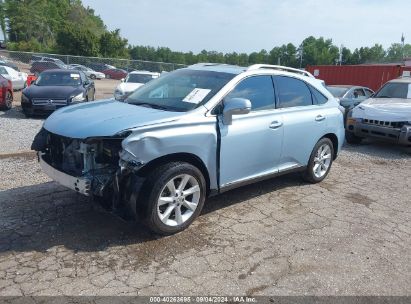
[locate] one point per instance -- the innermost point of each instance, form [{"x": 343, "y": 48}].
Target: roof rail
[{"x": 279, "y": 68}]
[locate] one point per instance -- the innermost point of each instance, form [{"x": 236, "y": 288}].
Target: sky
[{"x": 253, "y": 25}]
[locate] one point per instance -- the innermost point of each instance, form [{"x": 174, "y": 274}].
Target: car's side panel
[
  {"x": 251, "y": 146},
  {"x": 303, "y": 126}
]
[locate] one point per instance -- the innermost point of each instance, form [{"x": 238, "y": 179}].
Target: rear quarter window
[{"x": 318, "y": 97}]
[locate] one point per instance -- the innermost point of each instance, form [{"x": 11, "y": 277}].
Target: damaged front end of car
[{"x": 91, "y": 166}]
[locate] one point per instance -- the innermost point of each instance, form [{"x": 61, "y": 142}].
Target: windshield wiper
[{"x": 150, "y": 105}]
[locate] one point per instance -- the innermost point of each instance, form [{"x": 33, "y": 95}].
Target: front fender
[{"x": 199, "y": 139}]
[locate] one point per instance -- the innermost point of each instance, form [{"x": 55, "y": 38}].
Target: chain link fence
[{"x": 24, "y": 60}]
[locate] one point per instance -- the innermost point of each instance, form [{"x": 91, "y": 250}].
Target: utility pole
[
  {"x": 301, "y": 51},
  {"x": 340, "y": 59},
  {"x": 403, "y": 45}
]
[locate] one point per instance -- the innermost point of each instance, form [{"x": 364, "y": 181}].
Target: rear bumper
[
  {"x": 400, "y": 136},
  {"x": 78, "y": 184}
]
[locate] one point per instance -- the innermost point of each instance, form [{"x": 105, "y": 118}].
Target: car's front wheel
[
  {"x": 173, "y": 197},
  {"x": 320, "y": 163}
]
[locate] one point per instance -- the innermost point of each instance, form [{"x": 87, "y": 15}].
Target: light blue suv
[{"x": 190, "y": 134}]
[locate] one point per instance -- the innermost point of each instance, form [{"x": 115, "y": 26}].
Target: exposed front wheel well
[
  {"x": 178, "y": 157},
  {"x": 334, "y": 140}
]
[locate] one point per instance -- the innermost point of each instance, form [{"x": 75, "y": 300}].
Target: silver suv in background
[
  {"x": 387, "y": 115},
  {"x": 190, "y": 134}
]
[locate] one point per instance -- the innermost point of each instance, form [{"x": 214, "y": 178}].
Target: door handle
[
  {"x": 320, "y": 118},
  {"x": 276, "y": 125}
]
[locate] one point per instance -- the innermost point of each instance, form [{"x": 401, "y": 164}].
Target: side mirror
[{"x": 235, "y": 106}]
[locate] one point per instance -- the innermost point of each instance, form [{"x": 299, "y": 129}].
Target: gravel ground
[
  {"x": 17, "y": 132},
  {"x": 349, "y": 235}
]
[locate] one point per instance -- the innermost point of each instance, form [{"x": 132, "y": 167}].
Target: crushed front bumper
[
  {"x": 401, "y": 136},
  {"x": 78, "y": 184}
]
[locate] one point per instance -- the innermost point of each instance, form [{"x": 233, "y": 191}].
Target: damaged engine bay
[{"x": 93, "y": 163}]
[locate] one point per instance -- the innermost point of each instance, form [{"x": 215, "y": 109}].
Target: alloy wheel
[
  {"x": 178, "y": 200},
  {"x": 322, "y": 161}
]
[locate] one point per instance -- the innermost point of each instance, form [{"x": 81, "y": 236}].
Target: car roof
[
  {"x": 144, "y": 72},
  {"x": 60, "y": 71},
  {"x": 402, "y": 80},
  {"x": 343, "y": 86},
  {"x": 218, "y": 67}
]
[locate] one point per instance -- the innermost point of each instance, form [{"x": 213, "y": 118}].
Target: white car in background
[
  {"x": 386, "y": 115},
  {"x": 133, "y": 81},
  {"x": 90, "y": 73},
  {"x": 18, "y": 79}
]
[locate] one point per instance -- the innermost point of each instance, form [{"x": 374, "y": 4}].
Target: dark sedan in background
[
  {"x": 55, "y": 89},
  {"x": 40, "y": 66}
]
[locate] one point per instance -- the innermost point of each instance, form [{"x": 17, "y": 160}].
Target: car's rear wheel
[
  {"x": 320, "y": 163},
  {"x": 173, "y": 197},
  {"x": 352, "y": 139}
]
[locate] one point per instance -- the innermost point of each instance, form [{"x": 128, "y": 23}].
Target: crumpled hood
[
  {"x": 386, "y": 109},
  {"x": 103, "y": 118},
  {"x": 127, "y": 87}
]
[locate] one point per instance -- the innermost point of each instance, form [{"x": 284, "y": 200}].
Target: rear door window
[{"x": 292, "y": 92}]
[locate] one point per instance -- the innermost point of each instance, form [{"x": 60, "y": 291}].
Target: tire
[
  {"x": 164, "y": 182},
  {"x": 8, "y": 102},
  {"x": 352, "y": 139},
  {"x": 92, "y": 76},
  {"x": 319, "y": 166},
  {"x": 26, "y": 114}
]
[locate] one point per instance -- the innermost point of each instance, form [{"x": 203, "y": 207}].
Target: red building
[{"x": 371, "y": 76}]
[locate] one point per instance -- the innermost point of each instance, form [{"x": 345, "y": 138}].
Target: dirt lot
[{"x": 349, "y": 235}]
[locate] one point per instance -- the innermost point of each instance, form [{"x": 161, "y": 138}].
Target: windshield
[
  {"x": 180, "y": 91},
  {"x": 58, "y": 79},
  {"x": 395, "y": 90},
  {"x": 337, "y": 91},
  {"x": 139, "y": 78}
]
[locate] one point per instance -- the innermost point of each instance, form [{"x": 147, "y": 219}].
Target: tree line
[{"x": 67, "y": 27}]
